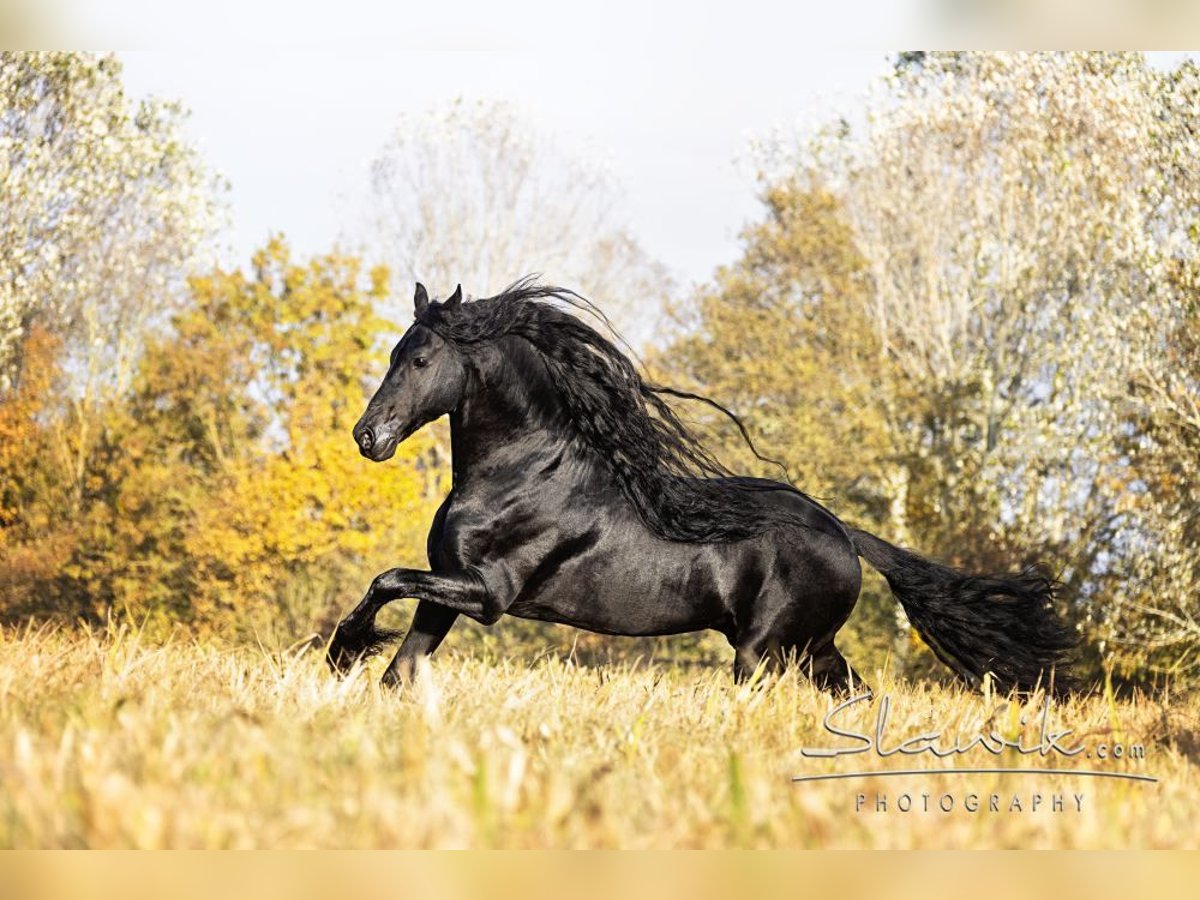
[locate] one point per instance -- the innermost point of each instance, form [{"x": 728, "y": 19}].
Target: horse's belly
[{"x": 657, "y": 588}]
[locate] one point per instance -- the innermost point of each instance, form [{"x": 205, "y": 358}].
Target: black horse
[{"x": 579, "y": 497}]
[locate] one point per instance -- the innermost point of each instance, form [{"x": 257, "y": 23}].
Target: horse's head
[{"x": 424, "y": 381}]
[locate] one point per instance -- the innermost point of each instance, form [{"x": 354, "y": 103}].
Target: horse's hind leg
[
  {"x": 770, "y": 637},
  {"x": 749, "y": 656},
  {"x": 826, "y": 668},
  {"x": 756, "y": 646},
  {"x": 799, "y": 631},
  {"x": 830, "y": 671}
]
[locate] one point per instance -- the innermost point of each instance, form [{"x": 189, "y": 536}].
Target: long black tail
[{"x": 975, "y": 624}]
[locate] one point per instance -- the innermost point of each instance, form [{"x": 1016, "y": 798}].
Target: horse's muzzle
[
  {"x": 365, "y": 438},
  {"x": 379, "y": 443}
]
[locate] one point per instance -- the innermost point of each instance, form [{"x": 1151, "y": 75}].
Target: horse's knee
[
  {"x": 490, "y": 613},
  {"x": 491, "y": 608},
  {"x": 389, "y": 585}
]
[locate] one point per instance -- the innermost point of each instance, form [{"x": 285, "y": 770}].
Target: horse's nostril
[{"x": 366, "y": 439}]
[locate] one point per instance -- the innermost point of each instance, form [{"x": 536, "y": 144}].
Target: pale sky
[{"x": 292, "y": 130}]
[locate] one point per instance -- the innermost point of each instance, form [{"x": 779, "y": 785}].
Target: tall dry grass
[{"x": 109, "y": 740}]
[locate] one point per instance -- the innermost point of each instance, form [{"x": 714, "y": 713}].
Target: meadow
[{"x": 110, "y": 739}]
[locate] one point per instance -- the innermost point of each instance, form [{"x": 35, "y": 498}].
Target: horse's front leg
[
  {"x": 431, "y": 623},
  {"x": 463, "y": 592}
]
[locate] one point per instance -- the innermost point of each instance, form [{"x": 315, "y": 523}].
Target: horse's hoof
[
  {"x": 392, "y": 682},
  {"x": 339, "y": 662},
  {"x": 342, "y": 655},
  {"x": 397, "y": 676}
]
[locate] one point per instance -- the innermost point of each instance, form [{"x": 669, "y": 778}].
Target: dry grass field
[{"x": 109, "y": 740}]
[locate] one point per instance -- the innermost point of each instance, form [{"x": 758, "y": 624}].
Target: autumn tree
[
  {"x": 1020, "y": 223},
  {"x": 225, "y": 489},
  {"x": 295, "y": 507},
  {"x": 106, "y": 205},
  {"x": 1023, "y": 215},
  {"x": 1156, "y": 622},
  {"x": 778, "y": 337},
  {"x": 32, "y": 488}
]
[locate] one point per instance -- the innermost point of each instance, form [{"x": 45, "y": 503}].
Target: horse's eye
[{"x": 420, "y": 362}]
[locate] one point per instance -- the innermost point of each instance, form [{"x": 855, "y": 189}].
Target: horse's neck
[{"x": 510, "y": 417}]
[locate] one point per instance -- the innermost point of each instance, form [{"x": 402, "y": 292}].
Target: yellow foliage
[
  {"x": 18, "y": 426},
  {"x": 228, "y": 475}
]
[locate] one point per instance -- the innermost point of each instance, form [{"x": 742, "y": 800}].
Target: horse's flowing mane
[{"x": 679, "y": 489}]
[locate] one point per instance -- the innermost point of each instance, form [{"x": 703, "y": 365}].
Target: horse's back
[{"x": 801, "y": 509}]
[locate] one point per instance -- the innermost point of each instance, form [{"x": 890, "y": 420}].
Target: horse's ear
[
  {"x": 420, "y": 298},
  {"x": 455, "y": 298}
]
